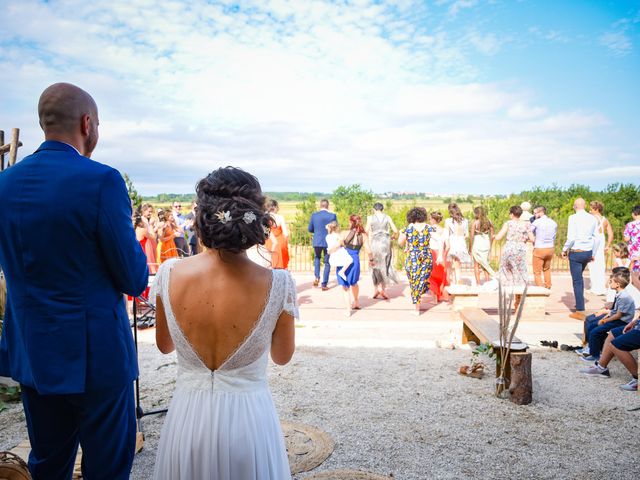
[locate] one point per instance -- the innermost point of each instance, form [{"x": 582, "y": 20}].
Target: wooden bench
[
  {"x": 479, "y": 327},
  {"x": 535, "y": 305}
]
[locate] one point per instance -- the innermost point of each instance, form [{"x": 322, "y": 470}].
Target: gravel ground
[{"x": 408, "y": 413}]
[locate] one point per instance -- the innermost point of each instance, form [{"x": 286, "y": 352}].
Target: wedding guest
[
  {"x": 526, "y": 212},
  {"x": 481, "y": 237},
  {"x": 456, "y": 230},
  {"x": 66, "y": 336},
  {"x": 620, "y": 343},
  {"x": 338, "y": 255},
  {"x": 150, "y": 245},
  {"x": 438, "y": 278},
  {"x": 278, "y": 241},
  {"x": 513, "y": 263},
  {"x": 602, "y": 322},
  {"x": 178, "y": 221},
  {"x": 354, "y": 240},
  {"x": 621, "y": 255},
  {"x": 597, "y": 268},
  {"x": 379, "y": 228},
  {"x": 190, "y": 230},
  {"x": 167, "y": 233},
  {"x": 581, "y": 242},
  {"x": 632, "y": 237},
  {"x": 544, "y": 230},
  {"x": 418, "y": 264},
  {"x": 222, "y": 423},
  {"x": 318, "y": 226}
]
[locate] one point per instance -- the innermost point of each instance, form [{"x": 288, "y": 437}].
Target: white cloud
[{"x": 618, "y": 42}]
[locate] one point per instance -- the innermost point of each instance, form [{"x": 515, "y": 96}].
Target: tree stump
[{"x": 521, "y": 387}]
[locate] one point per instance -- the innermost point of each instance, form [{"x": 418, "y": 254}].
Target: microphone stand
[{"x": 140, "y": 412}]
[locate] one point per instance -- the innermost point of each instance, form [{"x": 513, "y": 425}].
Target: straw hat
[{"x": 12, "y": 467}]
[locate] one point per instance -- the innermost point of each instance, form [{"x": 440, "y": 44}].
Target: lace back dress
[{"x": 222, "y": 423}]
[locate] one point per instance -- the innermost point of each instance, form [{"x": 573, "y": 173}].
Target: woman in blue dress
[
  {"x": 419, "y": 262},
  {"x": 355, "y": 239}
]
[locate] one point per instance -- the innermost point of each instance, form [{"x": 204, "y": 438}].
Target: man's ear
[{"x": 85, "y": 124}]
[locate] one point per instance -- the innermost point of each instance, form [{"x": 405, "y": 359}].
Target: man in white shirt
[{"x": 579, "y": 247}]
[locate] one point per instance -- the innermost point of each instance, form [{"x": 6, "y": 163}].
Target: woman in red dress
[{"x": 438, "y": 279}]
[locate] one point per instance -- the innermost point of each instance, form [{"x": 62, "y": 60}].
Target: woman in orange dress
[
  {"x": 167, "y": 228},
  {"x": 149, "y": 245},
  {"x": 278, "y": 241}
]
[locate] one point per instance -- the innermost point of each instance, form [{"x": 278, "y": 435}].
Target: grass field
[{"x": 288, "y": 209}]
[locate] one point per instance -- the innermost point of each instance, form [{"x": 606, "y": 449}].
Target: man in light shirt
[
  {"x": 579, "y": 247},
  {"x": 545, "y": 231}
]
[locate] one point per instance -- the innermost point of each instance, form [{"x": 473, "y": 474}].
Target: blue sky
[{"x": 441, "y": 96}]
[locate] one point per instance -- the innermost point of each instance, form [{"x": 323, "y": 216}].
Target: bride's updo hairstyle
[{"x": 230, "y": 212}]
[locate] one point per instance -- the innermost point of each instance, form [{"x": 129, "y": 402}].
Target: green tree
[
  {"x": 299, "y": 233},
  {"x": 352, "y": 200},
  {"x": 133, "y": 193}
]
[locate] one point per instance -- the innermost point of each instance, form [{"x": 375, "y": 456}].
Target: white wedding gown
[{"x": 222, "y": 424}]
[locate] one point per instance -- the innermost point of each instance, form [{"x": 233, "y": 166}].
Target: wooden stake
[
  {"x": 1, "y": 153},
  {"x": 521, "y": 387},
  {"x": 13, "y": 153}
]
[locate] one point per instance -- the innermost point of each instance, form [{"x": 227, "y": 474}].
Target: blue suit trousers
[
  {"x": 103, "y": 422},
  {"x": 319, "y": 252}
]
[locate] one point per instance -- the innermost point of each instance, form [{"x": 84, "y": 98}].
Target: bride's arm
[
  {"x": 163, "y": 338},
  {"x": 283, "y": 340}
]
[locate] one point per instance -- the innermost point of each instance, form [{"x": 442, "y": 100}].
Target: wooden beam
[
  {"x": 13, "y": 153},
  {"x": 1, "y": 153},
  {"x": 6, "y": 148}
]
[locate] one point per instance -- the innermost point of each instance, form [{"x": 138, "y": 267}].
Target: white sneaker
[{"x": 632, "y": 386}]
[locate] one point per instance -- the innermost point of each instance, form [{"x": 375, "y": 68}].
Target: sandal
[
  {"x": 384, "y": 295},
  {"x": 376, "y": 295}
]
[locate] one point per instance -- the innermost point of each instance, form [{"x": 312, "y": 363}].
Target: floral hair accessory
[
  {"x": 224, "y": 217},
  {"x": 249, "y": 217}
]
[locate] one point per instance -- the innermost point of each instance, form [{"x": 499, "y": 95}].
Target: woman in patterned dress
[
  {"x": 380, "y": 258},
  {"x": 513, "y": 264},
  {"x": 418, "y": 263},
  {"x": 632, "y": 237}
]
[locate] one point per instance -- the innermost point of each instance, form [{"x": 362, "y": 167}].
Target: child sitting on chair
[
  {"x": 338, "y": 255},
  {"x": 620, "y": 343},
  {"x": 597, "y": 326}
]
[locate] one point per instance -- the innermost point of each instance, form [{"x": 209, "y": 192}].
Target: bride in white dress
[{"x": 223, "y": 314}]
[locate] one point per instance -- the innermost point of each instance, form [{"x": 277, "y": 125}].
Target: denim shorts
[{"x": 626, "y": 341}]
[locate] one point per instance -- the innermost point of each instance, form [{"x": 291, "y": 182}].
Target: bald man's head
[
  {"x": 579, "y": 204},
  {"x": 68, "y": 113},
  {"x": 62, "y": 105}
]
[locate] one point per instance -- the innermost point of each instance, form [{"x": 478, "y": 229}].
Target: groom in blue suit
[
  {"x": 318, "y": 226},
  {"x": 69, "y": 252}
]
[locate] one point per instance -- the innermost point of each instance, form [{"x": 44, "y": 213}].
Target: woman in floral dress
[
  {"x": 418, "y": 263},
  {"x": 513, "y": 264},
  {"x": 632, "y": 237}
]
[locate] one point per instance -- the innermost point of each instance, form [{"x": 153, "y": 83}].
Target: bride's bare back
[{"x": 217, "y": 300}]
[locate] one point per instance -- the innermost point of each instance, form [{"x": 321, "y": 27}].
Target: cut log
[{"x": 521, "y": 387}]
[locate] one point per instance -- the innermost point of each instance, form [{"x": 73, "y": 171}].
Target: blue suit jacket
[
  {"x": 317, "y": 226},
  {"x": 68, "y": 251}
]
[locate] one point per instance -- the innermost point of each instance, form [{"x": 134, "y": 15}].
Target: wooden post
[
  {"x": 1, "y": 153},
  {"x": 521, "y": 387},
  {"x": 13, "y": 153}
]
